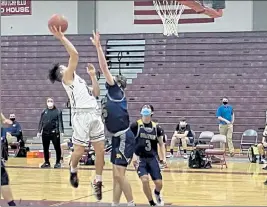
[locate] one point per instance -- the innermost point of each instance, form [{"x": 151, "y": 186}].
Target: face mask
[
  {"x": 146, "y": 112},
  {"x": 12, "y": 119},
  {"x": 224, "y": 103},
  {"x": 182, "y": 124},
  {"x": 50, "y": 105}
]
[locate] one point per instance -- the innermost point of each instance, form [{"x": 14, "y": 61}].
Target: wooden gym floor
[{"x": 240, "y": 184}]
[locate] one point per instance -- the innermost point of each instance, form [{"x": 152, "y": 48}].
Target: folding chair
[
  {"x": 218, "y": 138},
  {"x": 249, "y": 137},
  {"x": 205, "y": 136}
]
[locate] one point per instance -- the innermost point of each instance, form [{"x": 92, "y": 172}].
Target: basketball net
[{"x": 170, "y": 12}]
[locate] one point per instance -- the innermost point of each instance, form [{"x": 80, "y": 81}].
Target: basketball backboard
[{"x": 212, "y": 8}]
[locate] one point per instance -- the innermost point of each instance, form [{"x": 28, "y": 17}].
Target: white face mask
[
  {"x": 182, "y": 123},
  {"x": 50, "y": 105}
]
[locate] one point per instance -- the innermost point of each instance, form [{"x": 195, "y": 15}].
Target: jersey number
[
  {"x": 88, "y": 89},
  {"x": 148, "y": 145}
]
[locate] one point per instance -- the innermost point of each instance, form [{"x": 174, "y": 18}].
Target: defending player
[
  {"x": 86, "y": 118},
  {"x": 116, "y": 118},
  {"x": 148, "y": 135},
  {"x": 5, "y": 188}
]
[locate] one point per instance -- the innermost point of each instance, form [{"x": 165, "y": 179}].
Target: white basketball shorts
[{"x": 87, "y": 127}]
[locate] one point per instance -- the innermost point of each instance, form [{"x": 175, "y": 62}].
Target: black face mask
[
  {"x": 225, "y": 103},
  {"x": 12, "y": 119}
]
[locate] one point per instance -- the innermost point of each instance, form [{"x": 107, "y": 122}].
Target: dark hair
[
  {"x": 151, "y": 107},
  {"x": 122, "y": 80},
  {"x": 53, "y": 73}
]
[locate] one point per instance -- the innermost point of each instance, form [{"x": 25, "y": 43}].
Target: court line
[
  {"x": 76, "y": 199},
  {"x": 165, "y": 170}
]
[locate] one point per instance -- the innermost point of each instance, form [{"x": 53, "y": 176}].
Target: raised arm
[
  {"x": 95, "y": 85},
  {"x": 4, "y": 120},
  {"x": 101, "y": 59},
  {"x": 73, "y": 53}
]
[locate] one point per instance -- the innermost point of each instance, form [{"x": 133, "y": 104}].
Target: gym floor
[{"x": 240, "y": 184}]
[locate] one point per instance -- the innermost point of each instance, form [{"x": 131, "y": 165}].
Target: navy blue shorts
[
  {"x": 122, "y": 149},
  {"x": 149, "y": 166},
  {"x": 4, "y": 175}
]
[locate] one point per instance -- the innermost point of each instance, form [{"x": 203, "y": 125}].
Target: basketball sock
[
  {"x": 131, "y": 203},
  {"x": 156, "y": 192},
  {"x": 98, "y": 178},
  {"x": 11, "y": 203},
  {"x": 171, "y": 150},
  {"x": 185, "y": 151},
  {"x": 152, "y": 203},
  {"x": 73, "y": 170},
  {"x": 259, "y": 157}
]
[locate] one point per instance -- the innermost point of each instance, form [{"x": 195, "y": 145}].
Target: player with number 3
[{"x": 148, "y": 135}]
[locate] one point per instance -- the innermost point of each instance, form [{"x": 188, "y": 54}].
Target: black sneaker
[
  {"x": 74, "y": 181},
  {"x": 265, "y": 183},
  {"x": 265, "y": 168},
  {"x": 46, "y": 165},
  {"x": 97, "y": 187},
  {"x": 57, "y": 165}
]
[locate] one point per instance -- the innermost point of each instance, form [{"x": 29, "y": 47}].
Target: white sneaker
[
  {"x": 185, "y": 156},
  {"x": 159, "y": 200},
  {"x": 169, "y": 156}
]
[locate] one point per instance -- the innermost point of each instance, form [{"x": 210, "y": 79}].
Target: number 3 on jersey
[{"x": 148, "y": 145}]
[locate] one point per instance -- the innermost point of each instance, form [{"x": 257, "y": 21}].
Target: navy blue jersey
[
  {"x": 146, "y": 141},
  {"x": 114, "y": 109}
]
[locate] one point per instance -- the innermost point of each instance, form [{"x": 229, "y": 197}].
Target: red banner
[{"x": 16, "y": 7}]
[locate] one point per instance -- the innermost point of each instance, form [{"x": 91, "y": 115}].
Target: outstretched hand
[
  {"x": 91, "y": 69},
  {"x": 56, "y": 32},
  {"x": 95, "y": 39},
  {"x": 7, "y": 121}
]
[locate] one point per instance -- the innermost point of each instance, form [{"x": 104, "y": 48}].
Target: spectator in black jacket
[{"x": 51, "y": 128}]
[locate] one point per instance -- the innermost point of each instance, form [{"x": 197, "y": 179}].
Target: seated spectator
[
  {"x": 14, "y": 132},
  {"x": 261, "y": 147},
  {"x": 182, "y": 135}
]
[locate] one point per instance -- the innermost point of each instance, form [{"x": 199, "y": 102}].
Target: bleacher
[{"x": 183, "y": 76}]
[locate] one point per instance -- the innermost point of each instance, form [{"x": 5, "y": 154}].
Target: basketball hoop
[{"x": 170, "y": 12}]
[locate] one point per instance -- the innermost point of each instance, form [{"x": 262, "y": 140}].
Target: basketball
[{"x": 58, "y": 21}]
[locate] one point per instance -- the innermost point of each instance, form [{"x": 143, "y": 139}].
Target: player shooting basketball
[
  {"x": 5, "y": 188},
  {"x": 116, "y": 118},
  {"x": 86, "y": 119}
]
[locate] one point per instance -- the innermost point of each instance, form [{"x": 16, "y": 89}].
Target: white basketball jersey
[{"x": 80, "y": 95}]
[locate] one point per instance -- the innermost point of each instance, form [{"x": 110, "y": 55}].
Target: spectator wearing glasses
[
  {"x": 50, "y": 129},
  {"x": 225, "y": 115}
]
